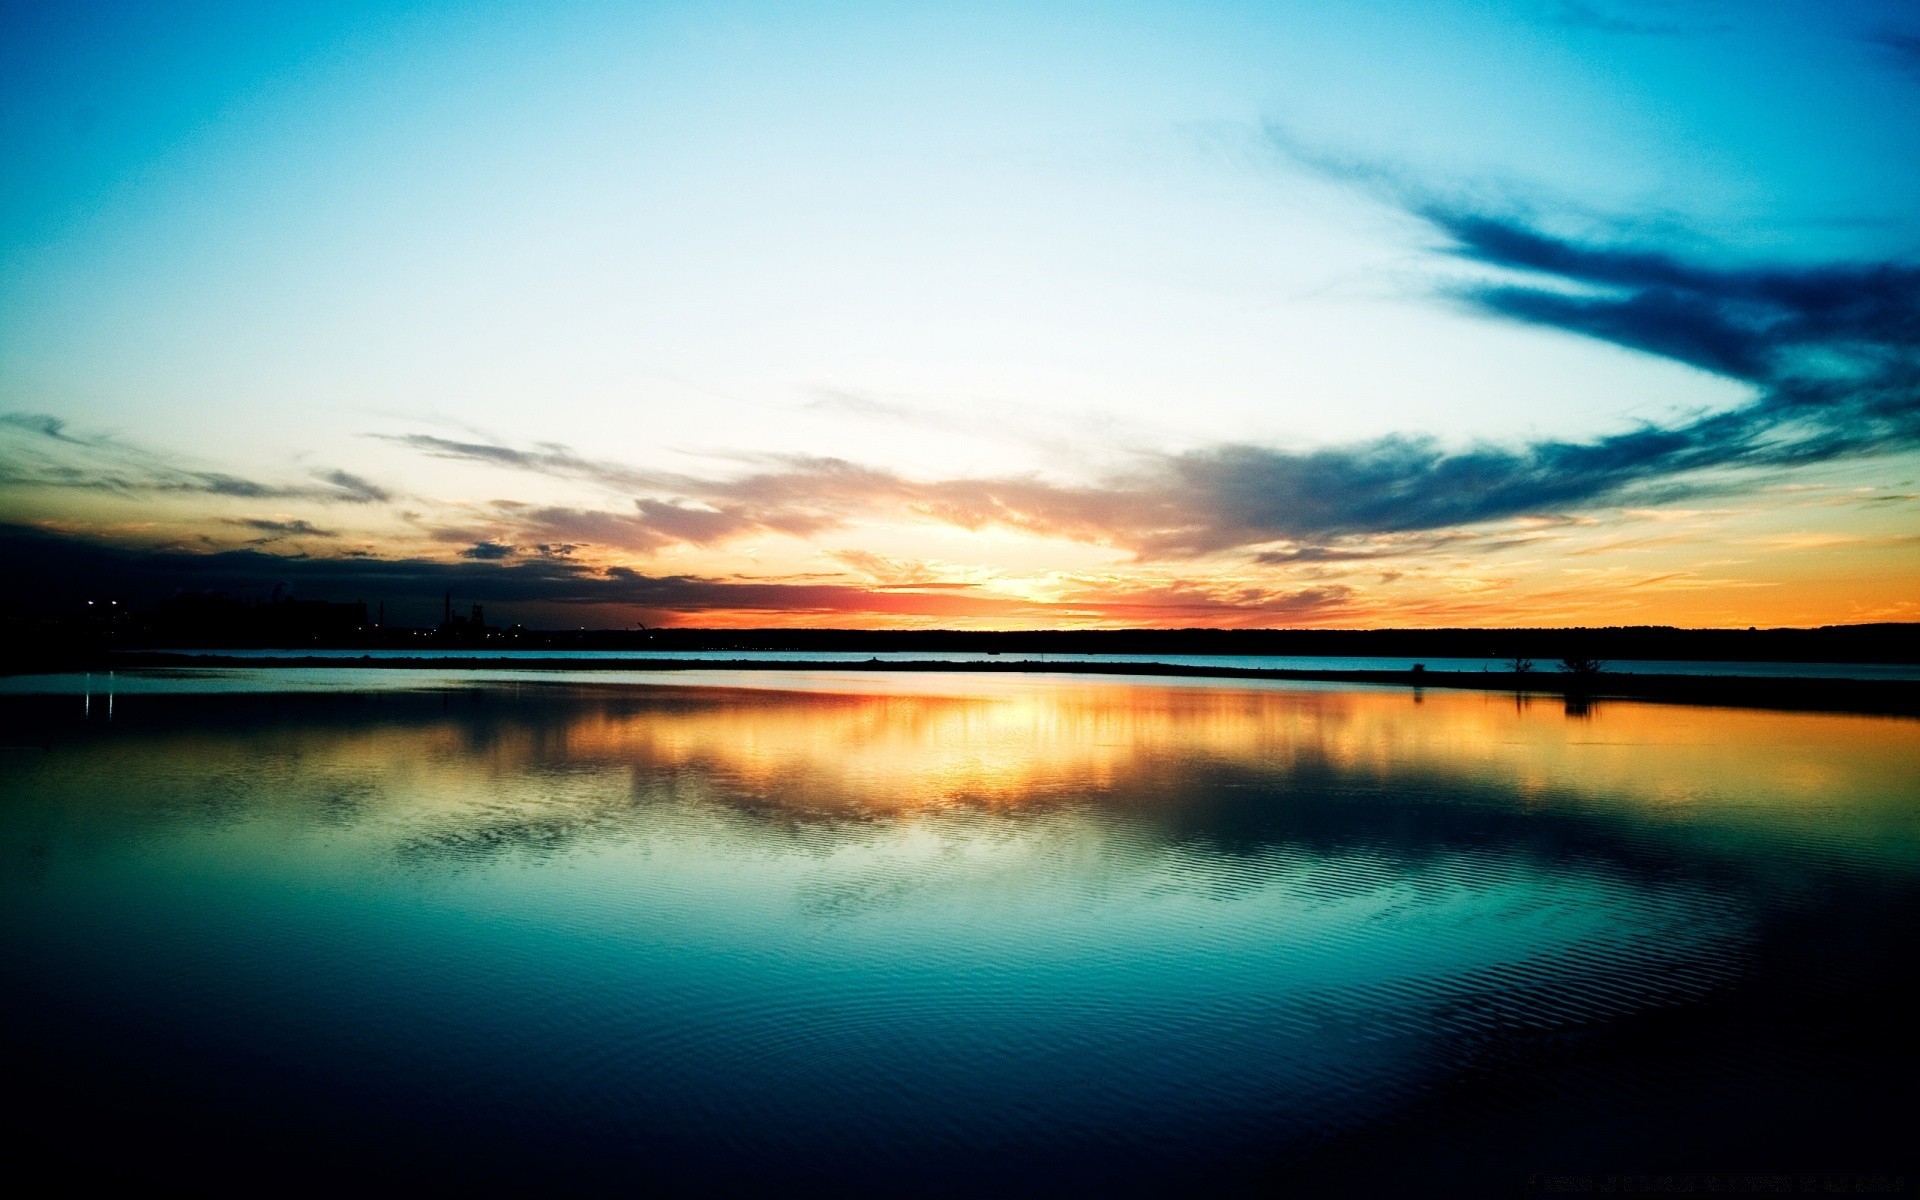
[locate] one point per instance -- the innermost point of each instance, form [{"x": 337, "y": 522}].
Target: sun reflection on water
[
  {"x": 933, "y": 744},
  {"x": 846, "y": 920}
]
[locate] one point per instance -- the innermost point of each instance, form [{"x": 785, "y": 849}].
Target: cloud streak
[
  {"x": 77, "y": 568},
  {"x": 1764, "y": 325},
  {"x": 272, "y": 529},
  {"x": 72, "y": 568},
  {"x": 1832, "y": 351},
  {"x": 47, "y": 455},
  {"x": 1900, "y": 47}
]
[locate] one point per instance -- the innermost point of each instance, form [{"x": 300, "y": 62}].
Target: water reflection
[
  {"x": 1106, "y": 930},
  {"x": 560, "y": 756}
]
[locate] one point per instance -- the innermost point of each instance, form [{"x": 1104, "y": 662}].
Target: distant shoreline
[
  {"x": 280, "y": 629},
  {"x": 1889, "y": 697}
]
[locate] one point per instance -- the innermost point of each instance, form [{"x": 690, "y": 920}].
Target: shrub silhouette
[{"x": 1581, "y": 667}]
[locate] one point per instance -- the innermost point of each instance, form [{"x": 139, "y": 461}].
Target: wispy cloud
[
  {"x": 1231, "y": 497},
  {"x": 544, "y": 459},
  {"x": 1832, "y": 352},
  {"x": 353, "y": 488},
  {"x": 1763, "y": 324},
  {"x": 1197, "y": 603},
  {"x": 47, "y": 454},
  {"x": 274, "y": 529},
  {"x": 41, "y": 423},
  {"x": 894, "y": 572},
  {"x": 1899, "y": 47},
  {"x": 77, "y": 566},
  {"x": 1375, "y": 548}
]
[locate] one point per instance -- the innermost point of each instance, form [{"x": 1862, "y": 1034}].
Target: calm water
[
  {"x": 1265, "y": 662},
  {"x": 947, "y": 931}
]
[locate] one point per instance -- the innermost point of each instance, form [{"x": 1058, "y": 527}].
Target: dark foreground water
[{"x": 1010, "y": 933}]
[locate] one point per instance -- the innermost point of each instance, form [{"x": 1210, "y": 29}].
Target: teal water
[
  {"x": 1262, "y": 662},
  {"x": 948, "y": 931}
]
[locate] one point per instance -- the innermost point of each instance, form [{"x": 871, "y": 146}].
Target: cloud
[
  {"x": 68, "y": 568},
  {"x": 64, "y": 569},
  {"x": 705, "y": 526},
  {"x": 103, "y": 464},
  {"x": 891, "y": 572},
  {"x": 487, "y": 551},
  {"x": 213, "y": 483},
  {"x": 40, "y": 423},
  {"x": 1196, "y": 604},
  {"x": 898, "y": 574},
  {"x": 800, "y": 497},
  {"x": 1318, "y": 554},
  {"x": 1375, "y": 548},
  {"x": 276, "y": 529},
  {"x": 353, "y": 488},
  {"x": 545, "y": 459},
  {"x": 1901, "y": 48},
  {"x": 1832, "y": 352},
  {"x": 1760, "y": 324},
  {"x": 1225, "y": 498},
  {"x": 575, "y": 527}
]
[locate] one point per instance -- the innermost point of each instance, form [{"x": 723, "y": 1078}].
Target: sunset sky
[{"x": 971, "y": 315}]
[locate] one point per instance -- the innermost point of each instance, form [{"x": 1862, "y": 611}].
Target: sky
[{"x": 1430, "y": 313}]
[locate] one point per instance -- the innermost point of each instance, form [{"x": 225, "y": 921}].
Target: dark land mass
[
  {"x": 184, "y": 630},
  {"x": 1888, "y": 643},
  {"x": 209, "y": 622},
  {"x": 1575, "y": 689}
]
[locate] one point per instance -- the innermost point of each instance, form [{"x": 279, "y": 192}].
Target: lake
[
  {"x": 1254, "y": 662},
  {"x": 947, "y": 932}
]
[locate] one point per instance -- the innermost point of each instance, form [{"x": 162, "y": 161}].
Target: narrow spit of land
[{"x": 1866, "y": 696}]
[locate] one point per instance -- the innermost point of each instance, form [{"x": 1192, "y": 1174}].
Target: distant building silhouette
[{"x": 469, "y": 630}]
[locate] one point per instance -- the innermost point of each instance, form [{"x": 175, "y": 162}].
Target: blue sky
[{"x": 1046, "y": 245}]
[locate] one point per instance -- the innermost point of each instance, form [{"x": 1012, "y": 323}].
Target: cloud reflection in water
[{"x": 1185, "y": 928}]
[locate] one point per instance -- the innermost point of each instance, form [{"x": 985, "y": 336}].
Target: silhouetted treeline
[
  {"x": 94, "y": 629},
  {"x": 200, "y": 621},
  {"x": 1833, "y": 643}
]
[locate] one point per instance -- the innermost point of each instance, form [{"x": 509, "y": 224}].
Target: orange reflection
[
  {"x": 1014, "y": 742},
  {"x": 874, "y": 748}
]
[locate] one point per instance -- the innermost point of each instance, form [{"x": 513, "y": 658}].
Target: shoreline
[{"x": 1874, "y": 697}]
